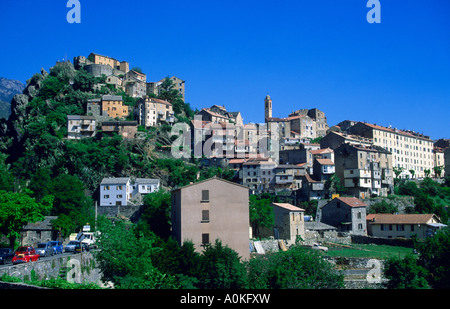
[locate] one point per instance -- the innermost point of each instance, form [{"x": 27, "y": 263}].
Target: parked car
[
  {"x": 44, "y": 249},
  {"x": 70, "y": 247},
  {"x": 25, "y": 254},
  {"x": 319, "y": 247},
  {"x": 80, "y": 246},
  {"x": 57, "y": 247},
  {"x": 6, "y": 255}
]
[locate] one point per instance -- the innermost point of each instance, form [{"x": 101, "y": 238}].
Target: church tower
[{"x": 268, "y": 107}]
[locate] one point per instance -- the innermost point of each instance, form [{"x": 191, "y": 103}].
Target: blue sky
[{"x": 303, "y": 53}]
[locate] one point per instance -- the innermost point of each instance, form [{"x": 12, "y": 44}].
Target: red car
[{"x": 24, "y": 255}]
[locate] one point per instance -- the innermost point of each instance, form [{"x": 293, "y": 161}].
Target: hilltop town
[{"x": 97, "y": 126}]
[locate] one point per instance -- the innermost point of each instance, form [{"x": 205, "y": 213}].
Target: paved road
[{"x": 42, "y": 258}]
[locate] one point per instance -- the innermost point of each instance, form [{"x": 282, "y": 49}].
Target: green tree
[
  {"x": 383, "y": 207},
  {"x": 157, "y": 212},
  {"x": 297, "y": 268},
  {"x": 83, "y": 81},
  {"x": 221, "y": 268},
  {"x": 398, "y": 171},
  {"x": 73, "y": 208},
  {"x": 6, "y": 176},
  {"x": 18, "y": 209},
  {"x": 438, "y": 171},
  {"x": 261, "y": 214},
  {"x": 434, "y": 255},
  {"x": 125, "y": 258},
  {"x": 405, "y": 273}
]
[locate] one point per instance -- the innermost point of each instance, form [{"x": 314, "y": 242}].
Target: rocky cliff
[{"x": 8, "y": 89}]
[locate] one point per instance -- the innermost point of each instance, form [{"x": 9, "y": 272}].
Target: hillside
[
  {"x": 8, "y": 89},
  {"x": 37, "y": 156}
]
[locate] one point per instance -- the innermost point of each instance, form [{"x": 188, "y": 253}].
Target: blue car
[{"x": 57, "y": 247}]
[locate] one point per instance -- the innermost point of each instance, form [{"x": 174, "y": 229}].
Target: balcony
[
  {"x": 357, "y": 173},
  {"x": 328, "y": 169},
  {"x": 317, "y": 186},
  {"x": 284, "y": 179}
]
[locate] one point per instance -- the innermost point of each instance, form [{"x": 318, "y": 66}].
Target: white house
[{"x": 121, "y": 190}]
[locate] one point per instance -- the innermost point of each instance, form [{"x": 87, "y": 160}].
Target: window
[
  {"x": 205, "y": 239},
  {"x": 205, "y": 216},
  {"x": 205, "y": 195},
  {"x": 412, "y": 227},
  {"x": 400, "y": 227}
]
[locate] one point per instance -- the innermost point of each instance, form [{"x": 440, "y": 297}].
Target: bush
[{"x": 297, "y": 268}]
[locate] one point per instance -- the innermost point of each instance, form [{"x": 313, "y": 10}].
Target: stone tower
[{"x": 268, "y": 107}]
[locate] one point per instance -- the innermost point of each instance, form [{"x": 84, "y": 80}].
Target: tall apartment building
[
  {"x": 258, "y": 175},
  {"x": 364, "y": 171},
  {"x": 135, "y": 84},
  {"x": 410, "y": 150},
  {"x": 210, "y": 210},
  {"x": 152, "y": 112}
]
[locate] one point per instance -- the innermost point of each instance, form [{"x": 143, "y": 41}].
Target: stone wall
[
  {"x": 57, "y": 267},
  {"x": 326, "y": 236},
  {"x": 402, "y": 242},
  {"x": 127, "y": 211}
]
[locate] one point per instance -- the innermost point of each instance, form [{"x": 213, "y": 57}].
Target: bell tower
[{"x": 268, "y": 107}]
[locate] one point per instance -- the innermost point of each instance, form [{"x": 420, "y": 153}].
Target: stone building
[
  {"x": 178, "y": 84},
  {"x": 364, "y": 171},
  {"x": 289, "y": 222},
  {"x": 112, "y": 62},
  {"x": 135, "y": 84},
  {"x": 347, "y": 214},
  {"x": 210, "y": 210},
  {"x": 41, "y": 231},
  {"x": 305, "y": 123},
  {"x": 258, "y": 175},
  {"x": 335, "y": 139},
  {"x": 126, "y": 129}
]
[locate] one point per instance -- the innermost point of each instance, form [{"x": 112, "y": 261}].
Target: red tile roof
[
  {"x": 400, "y": 218},
  {"x": 352, "y": 201}
]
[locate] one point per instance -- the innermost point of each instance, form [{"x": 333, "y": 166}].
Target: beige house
[
  {"x": 212, "y": 209},
  {"x": 289, "y": 222},
  {"x": 403, "y": 225},
  {"x": 152, "y": 112},
  {"x": 114, "y": 63},
  {"x": 112, "y": 105}
]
